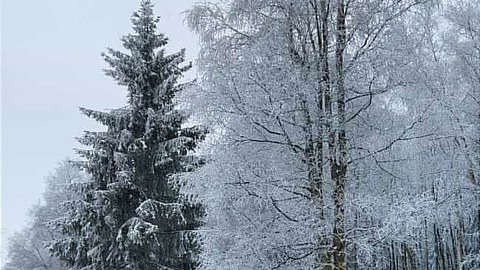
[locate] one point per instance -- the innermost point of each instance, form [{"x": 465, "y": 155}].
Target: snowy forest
[{"x": 319, "y": 134}]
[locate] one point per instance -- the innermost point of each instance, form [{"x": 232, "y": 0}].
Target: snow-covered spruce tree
[{"x": 133, "y": 215}]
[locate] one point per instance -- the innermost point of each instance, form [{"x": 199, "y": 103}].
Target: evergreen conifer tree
[{"x": 132, "y": 215}]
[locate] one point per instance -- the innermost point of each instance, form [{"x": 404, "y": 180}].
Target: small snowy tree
[
  {"x": 133, "y": 216},
  {"x": 26, "y": 248}
]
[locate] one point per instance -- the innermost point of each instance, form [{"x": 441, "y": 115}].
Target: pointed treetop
[
  {"x": 145, "y": 38},
  {"x": 144, "y": 17}
]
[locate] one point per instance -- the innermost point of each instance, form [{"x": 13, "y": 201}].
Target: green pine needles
[{"x": 132, "y": 215}]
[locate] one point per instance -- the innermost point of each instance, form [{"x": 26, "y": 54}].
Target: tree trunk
[
  {"x": 324, "y": 256},
  {"x": 338, "y": 151}
]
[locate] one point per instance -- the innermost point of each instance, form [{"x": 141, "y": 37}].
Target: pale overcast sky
[{"x": 51, "y": 65}]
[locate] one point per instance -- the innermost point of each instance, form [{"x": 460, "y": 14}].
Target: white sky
[{"x": 51, "y": 65}]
